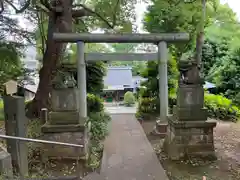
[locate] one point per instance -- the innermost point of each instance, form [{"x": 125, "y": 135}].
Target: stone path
[
  {"x": 120, "y": 109},
  {"x": 128, "y": 155}
]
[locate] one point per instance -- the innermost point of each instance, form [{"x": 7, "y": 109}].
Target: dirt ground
[{"x": 226, "y": 167}]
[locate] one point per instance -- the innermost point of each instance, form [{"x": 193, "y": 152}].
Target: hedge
[
  {"x": 221, "y": 108},
  {"x": 218, "y": 107}
]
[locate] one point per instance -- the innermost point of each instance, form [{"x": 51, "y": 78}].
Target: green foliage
[
  {"x": 1, "y": 104},
  {"x": 116, "y": 12},
  {"x": 221, "y": 108},
  {"x": 174, "y": 16},
  {"x": 34, "y": 132},
  {"x": 224, "y": 25},
  {"x": 149, "y": 102},
  {"x": 94, "y": 70},
  {"x": 10, "y": 64},
  {"x": 218, "y": 107},
  {"x": 220, "y": 58},
  {"x": 213, "y": 55},
  {"x": 151, "y": 105},
  {"x": 99, "y": 130},
  {"x": 99, "y": 122},
  {"x": 151, "y": 72},
  {"x": 148, "y": 105},
  {"x": 129, "y": 98},
  {"x": 99, "y": 125},
  {"x": 137, "y": 66},
  {"x": 225, "y": 73},
  {"x": 1, "y": 110},
  {"x": 94, "y": 103},
  {"x": 95, "y": 73}
]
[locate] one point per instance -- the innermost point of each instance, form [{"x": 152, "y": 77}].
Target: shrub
[
  {"x": 148, "y": 105},
  {"x": 129, "y": 98},
  {"x": 94, "y": 103},
  {"x": 221, "y": 108},
  {"x": 218, "y": 107},
  {"x": 151, "y": 105},
  {"x": 99, "y": 131},
  {"x": 99, "y": 125}
]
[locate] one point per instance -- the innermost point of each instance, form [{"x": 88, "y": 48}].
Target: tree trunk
[
  {"x": 51, "y": 58},
  {"x": 200, "y": 35}
]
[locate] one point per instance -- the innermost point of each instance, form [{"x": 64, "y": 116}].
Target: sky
[{"x": 234, "y": 4}]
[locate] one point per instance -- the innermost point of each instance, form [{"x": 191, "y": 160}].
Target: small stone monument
[
  {"x": 64, "y": 123},
  {"x": 6, "y": 169},
  {"x": 189, "y": 133},
  {"x": 11, "y": 87},
  {"x": 15, "y": 125}
]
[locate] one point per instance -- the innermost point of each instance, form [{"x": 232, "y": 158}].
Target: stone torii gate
[
  {"x": 162, "y": 56},
  {"x": 188, "y": 133}
]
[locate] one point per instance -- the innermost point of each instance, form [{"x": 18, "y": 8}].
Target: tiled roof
[{"x": 118, "y": 76}]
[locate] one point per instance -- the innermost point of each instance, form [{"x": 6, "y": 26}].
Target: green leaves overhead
[
  {"x": 222, "y": 39},
  {"x": 10, "y": 64},
  {"x": 110, "y": 13}
]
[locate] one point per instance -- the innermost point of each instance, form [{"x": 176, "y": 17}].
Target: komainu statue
[{"x": 189, "y": 72}]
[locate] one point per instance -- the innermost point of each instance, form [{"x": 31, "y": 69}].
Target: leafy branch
[
  {"x": 86, "y": 11},
  {"x": 23, "y": 8}
]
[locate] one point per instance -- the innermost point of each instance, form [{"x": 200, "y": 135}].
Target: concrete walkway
[
  {"x": 128, "y": 155},
  {"x": 120, "y": 110}
]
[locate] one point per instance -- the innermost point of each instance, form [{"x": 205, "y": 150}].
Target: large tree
[{"x": 60, "y": 15}]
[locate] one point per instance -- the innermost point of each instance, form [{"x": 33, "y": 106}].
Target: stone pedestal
[
  {"x": 64, "y": 100},
  {"x": 74, "y": 134},
  {"x": 189, "y": 134},
  {"x": 190, "y": 114},
  {"x": 65, "y": 124},
  {"x": 6, "y": 169},
  {"x": 160, "y": 129},
  {"x": 187, "y": 139},
  {"x": 63, "y": 152}
]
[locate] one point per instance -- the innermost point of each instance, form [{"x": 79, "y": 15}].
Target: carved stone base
[
  {"x": 63, "y": 152},
  {"x": 190, "y": 95},
  {"x": 62, "y": 118},
  {"x": 48, "y": 128},
  {"x": 190, "y": 114},
  {"x": 65, "y": 118},
  {"x": 187, "y": 139}
]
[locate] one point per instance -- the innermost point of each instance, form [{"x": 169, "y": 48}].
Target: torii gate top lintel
[{"x": 121, "y": 38}]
